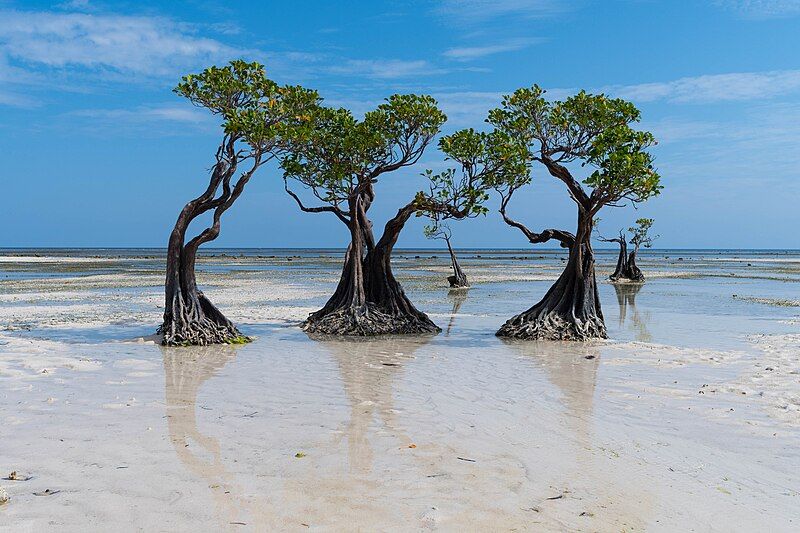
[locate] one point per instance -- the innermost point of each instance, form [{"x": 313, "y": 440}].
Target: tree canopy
[
  {"x": 338, "y": 157},
  {"x": 482, "y": 160},
  {"x": 592, "y": 130},
  {"x": 253, "y": 108},
  {"x": 640, "y": 233}
]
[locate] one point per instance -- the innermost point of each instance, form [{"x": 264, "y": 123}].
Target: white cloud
[
  {"x": 474, "y": 52},
  {"x": 129, "y": 44},
  {"x": 759, "y": 143},
  {"x": 676, "y": 129},
  {"x": 13, "y": 99},
  {"x": 762, "y": 8},
  {"x": 473, "y": 11},
  {"x": 468, "y": 108},
  {"x": 75, "y": 5},
  {"x": 148, "y": 114},
  {"x": 385, "y": 69},
  {"x": 714, "y": 87}
]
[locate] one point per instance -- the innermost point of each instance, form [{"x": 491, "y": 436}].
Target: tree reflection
[{"x": 626, "y": 298}]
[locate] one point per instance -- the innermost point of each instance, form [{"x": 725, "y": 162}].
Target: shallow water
[{"x": 688, "y": 419}]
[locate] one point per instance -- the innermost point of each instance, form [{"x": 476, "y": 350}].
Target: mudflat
[{"x": 688, "y": 418}]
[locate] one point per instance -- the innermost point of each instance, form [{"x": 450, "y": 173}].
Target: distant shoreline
[{"x": 7, "y": 250}]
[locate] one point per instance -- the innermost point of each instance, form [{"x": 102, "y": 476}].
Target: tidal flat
[{"x": 686, "y": 419}]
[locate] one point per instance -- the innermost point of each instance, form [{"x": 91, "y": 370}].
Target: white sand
[
  {"x": 460, "y": 432},
  {"x": 395, "y": 433}
]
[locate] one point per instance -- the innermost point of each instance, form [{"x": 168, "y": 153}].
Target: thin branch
[{"x": 321, "y": 209}]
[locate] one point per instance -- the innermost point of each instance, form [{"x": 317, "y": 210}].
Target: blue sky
[{"x": 97, "y": 150}]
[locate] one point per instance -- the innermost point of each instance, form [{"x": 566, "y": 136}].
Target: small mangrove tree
[
  {"x": 441, "y": 231},
  {"x": 626, "y": 269}
]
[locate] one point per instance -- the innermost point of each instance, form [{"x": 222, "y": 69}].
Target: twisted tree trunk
[
  {"x": 622, "y": 259},
  {"x": 570, "y": 310},
  {"x": 458, "y": 280},
  {"x": 369, "y": 300},
  {"x": 633, "y": 273},
  {"x": 189, "y": 316},
  {"x": 626, "y": 270}
]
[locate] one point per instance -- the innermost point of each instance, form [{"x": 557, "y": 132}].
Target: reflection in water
[
  {"x": 458, "y": 296},
  {"x": 369, "y": 368},
  {"x": 572, "y": 368},
  {"x": 185, "y": 371},
  {"x": 626, "y": 298}
]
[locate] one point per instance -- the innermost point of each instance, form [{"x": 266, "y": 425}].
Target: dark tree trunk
[
  {"x": 634, "y": 274},
  {"x": 571, "y": 308},
  {"x": 189, "y": 316},
  {"x": 369, "y": 300},
  {"x": 622, "y": 260},
  {"x": 458, "y": 280},
  {"x": 626, "y": 270}
]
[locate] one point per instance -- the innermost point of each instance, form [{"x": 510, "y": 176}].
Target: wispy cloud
[
  {"x": 161, "y": 113},
  {"x": 762, "y": 8},
  {"x": 15, "y": 99},
  {"x": 759, "y": 144},
  {"x": 130, "y": 44},
  {"x": 714, "y": 87},
  {"x": 75, "y": 5},
  {"x": 473, "y": 11},
  {"x": 156, "y": 120},
  {"x": 467, "y": 108},
  {"x": 385, "y": 69},
  {"x": 475, "y": 52},
  {"x": 679, "y": 129}
]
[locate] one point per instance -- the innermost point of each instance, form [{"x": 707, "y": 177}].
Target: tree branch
[
  {"x": 562, "y": 173},
  {"x": 565, "y": 238},
  {"x": 321, "y": 209}
]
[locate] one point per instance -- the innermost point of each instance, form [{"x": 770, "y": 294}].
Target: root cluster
[
  {"x": 198, "y": 324},
  {"x": 368, "y": 320},
  {"x": 553, "y": 326}
]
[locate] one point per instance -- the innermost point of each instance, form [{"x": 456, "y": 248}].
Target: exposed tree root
[
  {"x": 631, "y": 274},
  {"x": 198, "y": 325},
  {"x": 367, "y": 320},
  {"x": 458, "y": 282},
  {"x": 570, "y": 311},
  {"x": 552, "y": 326}
]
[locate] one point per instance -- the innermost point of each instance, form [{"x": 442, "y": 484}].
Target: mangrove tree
[
  {"x": 584, "y": 131},
  {"x": 255, "y": 113}
]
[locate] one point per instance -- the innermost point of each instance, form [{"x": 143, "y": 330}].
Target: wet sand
[{"x": 688, "y": 419}]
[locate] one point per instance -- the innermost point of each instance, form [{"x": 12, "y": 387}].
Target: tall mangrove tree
[
  {"x": 564, "y": 137},
  {"x": 255, "y": 113},
  {"x": 340, "y": 160}
]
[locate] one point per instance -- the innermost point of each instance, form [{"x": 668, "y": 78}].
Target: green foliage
[
  {"x": 333, "y": 153},
  {"x": 484, "y": 161},
  {"x": 640, "y": 234},
  {"x": 326, "y": 154},
  {"x": 594, "y": 130},
  {"x": 253, "y": 108},
  {"x": 624, "y": 169},
  {"x": 437, "y": 229}
]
